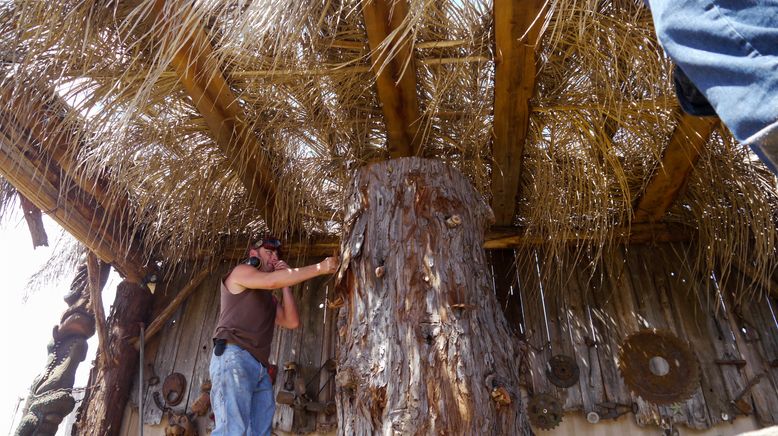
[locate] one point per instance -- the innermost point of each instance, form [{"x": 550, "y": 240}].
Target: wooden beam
[
  {"x": 505, "y": 237},
  {"x": 45, "y": 123},
  {"x": 509, "y": 237},
  {"x": 41, "y": 180},
  {"x": 34, "y": 219},
  {"x": 678, "y": 160},
  {"x": 203, "y": 79},
  {"x": 395, "y": 78},
  {"x": 517, "y": 27},
  {"x": 171, "y": 308}
]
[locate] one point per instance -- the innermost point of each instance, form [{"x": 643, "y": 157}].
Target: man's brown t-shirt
[{"x": 248, "y": 320}]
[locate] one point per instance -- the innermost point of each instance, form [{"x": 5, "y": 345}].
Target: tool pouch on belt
[{"x": 218, "y": 346}]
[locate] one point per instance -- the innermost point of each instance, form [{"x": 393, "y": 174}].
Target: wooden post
[
  {"x": 111, "y": 380},
  {"x": 423, "y": 345}
]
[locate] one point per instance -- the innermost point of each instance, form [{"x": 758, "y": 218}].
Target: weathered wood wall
[
  {"x": 638, "y": 286},
  {"x": 589, "y": 311}
]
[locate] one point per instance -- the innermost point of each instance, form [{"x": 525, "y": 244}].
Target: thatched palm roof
[{"x": 187, "y": 126}]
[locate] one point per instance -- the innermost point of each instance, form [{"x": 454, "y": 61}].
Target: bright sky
[{"x": 26, "y": 326}]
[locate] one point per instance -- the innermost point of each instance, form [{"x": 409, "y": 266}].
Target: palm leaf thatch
[{"x": 145, "y": 88}]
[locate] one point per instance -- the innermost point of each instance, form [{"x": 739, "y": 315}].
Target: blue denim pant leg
[
  {"x": 729, "y": 49},
  {"x": 241, "y": 394}
]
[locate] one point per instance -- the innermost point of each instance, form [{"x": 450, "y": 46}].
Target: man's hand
[
  {"x": 280, "y": 264},
  {"x": 329, "y": 265}
]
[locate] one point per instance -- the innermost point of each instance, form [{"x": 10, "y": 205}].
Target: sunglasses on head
[{"x": 268, "y": 244}]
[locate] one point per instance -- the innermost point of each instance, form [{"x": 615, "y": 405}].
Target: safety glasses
[{"x": 268, "y": 244}]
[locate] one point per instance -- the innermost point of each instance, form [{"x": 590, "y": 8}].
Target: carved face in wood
[{"x": 180, "y": 425}]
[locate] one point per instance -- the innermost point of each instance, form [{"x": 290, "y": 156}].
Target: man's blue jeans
[
  {"x": 241, "y": 394},
  {"x": 729, "y": 49}
]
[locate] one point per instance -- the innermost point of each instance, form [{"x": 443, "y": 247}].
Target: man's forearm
[{"x": 289, "y": 306}]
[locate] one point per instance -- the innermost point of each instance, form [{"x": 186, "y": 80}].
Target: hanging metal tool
[
  {"x": 544, "y": 411},
  {"x": 562, "y": 371},
  {"x": 739, "y": 404},
  {"x": 658, "y": 366}
]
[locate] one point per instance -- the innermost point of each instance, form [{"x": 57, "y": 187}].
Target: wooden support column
[
  {"x": 517, "y": 27},
  {"x": 111, "y": 379},
  {"x": 684, "y": 148},
  {"x": 395, "y": 77},
  {"x": 424, "y": 347}
]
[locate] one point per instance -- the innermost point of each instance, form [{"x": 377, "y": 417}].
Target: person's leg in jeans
[
  {"x": 233, "y": 380},
  {"x": 729, "y": 50},
  {"x": 263, "y": 406}
]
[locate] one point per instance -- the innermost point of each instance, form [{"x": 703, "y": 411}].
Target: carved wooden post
[
  {"x": 50, "y": 399},
  {"x": 111, "y": 379},
  {"x": 423, "y": 345}
]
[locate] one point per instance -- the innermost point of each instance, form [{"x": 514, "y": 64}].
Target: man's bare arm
[
  {"x": 247, "y": 277},
  {"x": 286, "y": 313}
]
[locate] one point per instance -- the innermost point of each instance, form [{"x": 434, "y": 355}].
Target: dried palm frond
[{"x": 301, "y": 79}]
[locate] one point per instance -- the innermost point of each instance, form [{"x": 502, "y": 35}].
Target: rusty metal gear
[
  {"x": 659, "y": 366},
  {"x": 562, "y": 371},
  {"x": 544, "y": 411}
]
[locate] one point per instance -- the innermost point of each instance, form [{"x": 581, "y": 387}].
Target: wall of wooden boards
[
  {"x": 642, "y": 286},
  {"x": 635, "y": 287}
]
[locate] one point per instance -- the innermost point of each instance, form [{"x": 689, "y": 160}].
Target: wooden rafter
[
  {"x": 678, "y": 159},
  {"x": 395, "y": 79},
  {"x": 516, "y": 28},
  {"x": 27, "y": 162},
  {"x": 205, "y": 82},
  {"x": 500, "y": 237},
  {"x": 48, "y": 126}
]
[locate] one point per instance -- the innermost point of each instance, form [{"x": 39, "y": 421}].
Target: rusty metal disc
[
  {"x": 562, "y": 371},
  {"x": 173, "y": 388},
  {"x": 658, "y": 366},
  {"x": 544, "y": 411}
]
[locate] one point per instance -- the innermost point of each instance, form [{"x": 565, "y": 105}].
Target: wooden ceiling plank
[
  {"x": 678, "y": 160},
  {"x": 516, "y": 28},
  {"x": 396, "y": 79}
]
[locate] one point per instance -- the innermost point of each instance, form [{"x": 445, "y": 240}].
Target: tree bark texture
[
  {"x": 423, "y": 345},
  {"x": 112, "y": 376}
]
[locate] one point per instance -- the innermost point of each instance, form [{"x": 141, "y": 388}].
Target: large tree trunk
[
  {"x": 423, "y": 346},
  {"x": 112, "y": 376}
]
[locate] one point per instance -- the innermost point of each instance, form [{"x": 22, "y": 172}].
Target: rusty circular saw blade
[
  {"x": 678, "y": 379},
  {"x": 562, "y": 371},
  {"x": 544, "y": 411}
]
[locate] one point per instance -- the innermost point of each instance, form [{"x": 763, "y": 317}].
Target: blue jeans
[
  {"x": 729, "y": 49},
  {"x": 241, "y": 394}
]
